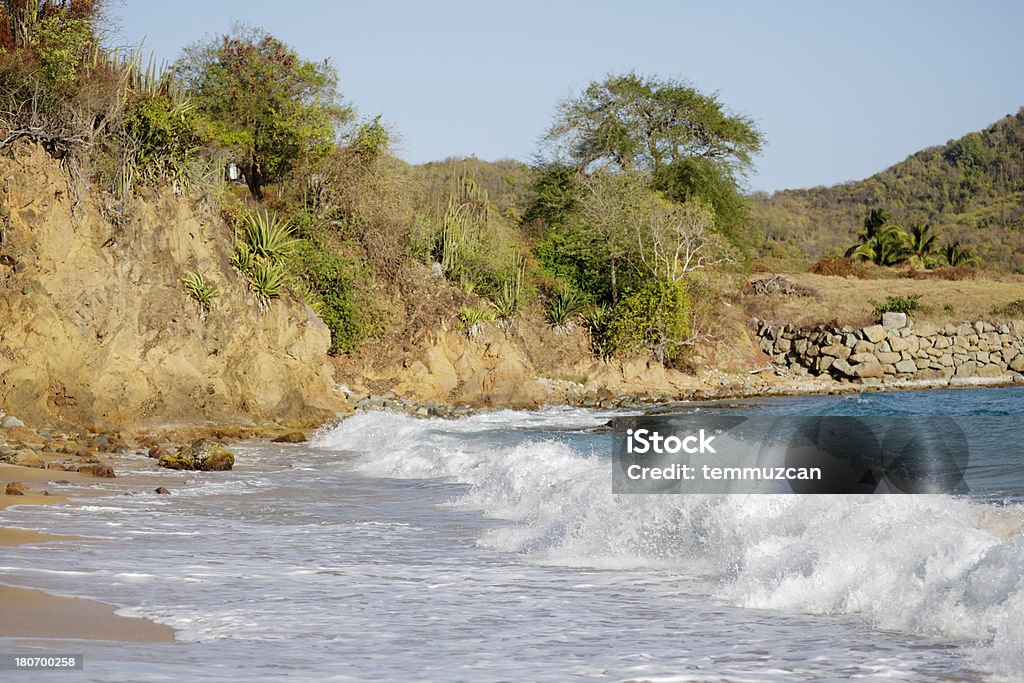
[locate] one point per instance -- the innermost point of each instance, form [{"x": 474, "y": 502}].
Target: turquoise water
[{"x": 491, "y": 548}]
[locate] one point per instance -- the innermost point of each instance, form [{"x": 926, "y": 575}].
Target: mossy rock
[{"x": 203, "y": 455}]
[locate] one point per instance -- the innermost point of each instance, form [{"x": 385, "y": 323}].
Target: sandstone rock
[
  {"x": 15, "y": 488},
  {"x": 863, "y": 346},
  {"x": 874, "y": 333},
  {"x": 894, "y": 321},
  {"x": 1017, "y": 364},
  {"x": 905, "y": 367},
  {"x": 990, "y": 371},
  {"x": 842, "y": 367},
  {"x": 863, "y": 370},
  {"x": 836, "y": 351},
  {"x": 863, "y": 358},
  {"x": 203, "y": 455},
  {"x": 105, "y": 471},
  {"x": 888, "y": 358},
  {"x": 968, "y": 369},
  {"x": 291, "y": 437},
  {"x": 106, "y": 336},
  {"x": 898, "y": 344},
  {"x": 157, "y": 452},
  {"x": 925, "y": 329}
]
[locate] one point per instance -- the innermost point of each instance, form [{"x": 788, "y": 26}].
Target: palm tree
[
  {"x": 957, "y": 256},
  {"x": 880, "y": 241},
  {"x": 922, "y": 246}
]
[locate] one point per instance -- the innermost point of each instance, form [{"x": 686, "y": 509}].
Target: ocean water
[{"x": 490, "y": 548}]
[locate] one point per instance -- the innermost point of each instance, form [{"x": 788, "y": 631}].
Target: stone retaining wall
[{"x": 898, "y": 350}]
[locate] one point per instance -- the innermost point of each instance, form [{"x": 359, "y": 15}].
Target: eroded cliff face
[{"x": 96, "y": 327}]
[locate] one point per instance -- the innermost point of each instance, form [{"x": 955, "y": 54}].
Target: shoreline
[{"x": 30, "y": 613}]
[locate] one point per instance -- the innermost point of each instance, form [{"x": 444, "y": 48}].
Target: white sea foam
[{"x": 920, "y": 564}]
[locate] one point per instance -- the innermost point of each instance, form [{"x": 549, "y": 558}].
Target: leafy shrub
[
  {"x": 834, "y": 265},
  {"x": 327, "y": 282},
  {"x": 199, "y": 289},
  {"x": 909, "y": 304},
  {"x": 164, "y": 140},
  {"x": 1014, "y": 309},
  {"x": 655, "y": 317}
]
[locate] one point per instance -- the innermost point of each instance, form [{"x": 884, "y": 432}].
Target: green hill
[{"x": 971, "y": 189}]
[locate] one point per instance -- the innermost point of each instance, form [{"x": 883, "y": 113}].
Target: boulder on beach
[
  {"x": 291, "y": 437},
  {"x": 10, "y": 421},
  {"x": 94, "y": 470},
  {"x": 15, "y": 488},
  {"x": 203, "y": 455}
]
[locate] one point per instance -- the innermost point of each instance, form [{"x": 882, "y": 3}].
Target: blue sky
[{"x": 840, "y": 90}]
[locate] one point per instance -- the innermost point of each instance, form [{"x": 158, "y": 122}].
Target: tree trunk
[
  {"x": 615, "y": 285},
  {"x": 253, "y": 179},
  {"x": 22, "y": 17}
]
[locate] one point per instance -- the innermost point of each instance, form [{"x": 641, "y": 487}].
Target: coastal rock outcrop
[{"x": 99, "y": 330}]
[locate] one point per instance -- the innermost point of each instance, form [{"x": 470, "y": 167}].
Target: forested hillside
[{"x": 971, "y": 190}]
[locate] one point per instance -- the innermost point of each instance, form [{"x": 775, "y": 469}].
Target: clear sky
[{"x": 840, "y": 90}]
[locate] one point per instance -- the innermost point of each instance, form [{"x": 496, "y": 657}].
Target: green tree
[
  {"x": 636, "y": 123},
  {"x": 272, "y": 108},
  {"x": 611, "y": 205}
]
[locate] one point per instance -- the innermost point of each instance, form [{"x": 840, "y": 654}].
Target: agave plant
[
  {"x": 199, "y": 289},
  {"x": 268, "y": 236},
  {"x": 509, "y": 300},
  {"x": 597, "y": 321},
  {"x": 267, "y": 279},
  {"x": 471, "y": 319},
  {"x": 562, "y": 307},
  {"x": 243, "y": 259}
]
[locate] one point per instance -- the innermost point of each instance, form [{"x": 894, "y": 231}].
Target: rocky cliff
[{"x": 96, "y": 327}]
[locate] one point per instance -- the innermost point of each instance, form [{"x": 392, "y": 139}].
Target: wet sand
[{"x": 27, "y": 613}]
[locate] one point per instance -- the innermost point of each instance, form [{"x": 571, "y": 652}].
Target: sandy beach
[{"x": 27, "y": 613}]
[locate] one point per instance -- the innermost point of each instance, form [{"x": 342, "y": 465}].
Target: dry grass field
[{"x": 847, "y": 300}]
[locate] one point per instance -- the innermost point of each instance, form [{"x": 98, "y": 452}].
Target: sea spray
[{"x": 926, "y": 564}]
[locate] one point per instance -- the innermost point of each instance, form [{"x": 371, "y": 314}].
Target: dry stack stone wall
[{"x": 899, "y": 350}]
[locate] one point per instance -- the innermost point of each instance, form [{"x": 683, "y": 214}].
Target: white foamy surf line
[{"x": 919, "y": 564}]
